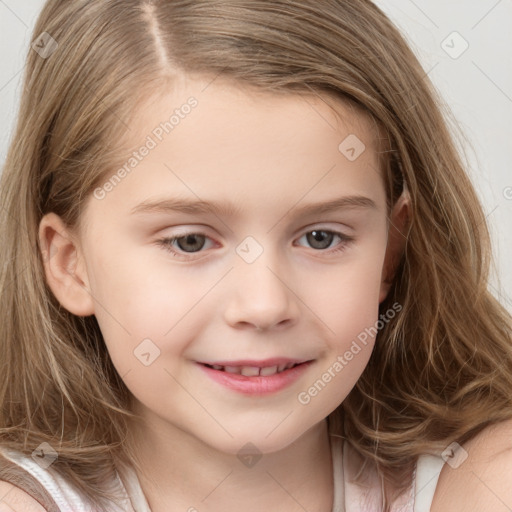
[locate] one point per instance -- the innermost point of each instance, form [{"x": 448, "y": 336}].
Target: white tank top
[{"x": 348, "y": 496}]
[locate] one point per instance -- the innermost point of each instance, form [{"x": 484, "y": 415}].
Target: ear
[
  {"x": 64, "y": 269},
  {"x": 397, "y": 238}
]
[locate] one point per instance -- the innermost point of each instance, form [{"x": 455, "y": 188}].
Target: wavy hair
[{"x": 440, "y": 371}]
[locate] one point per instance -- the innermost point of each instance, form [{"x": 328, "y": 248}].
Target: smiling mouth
[
  {"x": 253, "y": 371},
  {"x": 256, "y": 378}
]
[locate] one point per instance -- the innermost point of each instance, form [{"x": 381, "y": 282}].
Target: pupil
[
  {"x": 189, "y": 239},
  {"x": 316, "y": 236}
]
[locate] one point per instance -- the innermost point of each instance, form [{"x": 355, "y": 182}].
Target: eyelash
[{"x": 167, "y": 242}]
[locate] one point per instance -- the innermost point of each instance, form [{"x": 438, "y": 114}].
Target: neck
[{"x": 183, "y": 473}]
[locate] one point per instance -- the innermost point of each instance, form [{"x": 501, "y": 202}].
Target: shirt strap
[{"x": 19, "y": 477}]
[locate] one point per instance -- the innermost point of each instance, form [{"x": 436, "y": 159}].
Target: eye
[
  {"x": 322, "y": 239},
  {"x": 191, "y": 243}
]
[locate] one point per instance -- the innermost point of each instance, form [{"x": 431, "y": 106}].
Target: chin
[{"x": 262, "y": 440}]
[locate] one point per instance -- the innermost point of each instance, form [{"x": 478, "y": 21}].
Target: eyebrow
[{"x": 172, "y": 205}]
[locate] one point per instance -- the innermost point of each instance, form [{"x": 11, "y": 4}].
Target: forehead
[
  {"x": 223, "y": 107},
  {"x": 238, "y": 141}
]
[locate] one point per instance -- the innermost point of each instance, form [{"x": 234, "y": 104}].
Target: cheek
[
  {"x": 133, "y": 304},
  {"x": 347, "y": 295},
  {"x": 348, "y": 307}
]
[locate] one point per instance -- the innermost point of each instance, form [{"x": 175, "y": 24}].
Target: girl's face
[{"x": 266, "y": 276}]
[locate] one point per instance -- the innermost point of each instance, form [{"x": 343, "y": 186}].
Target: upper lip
[{"x": 262, "y": 363}]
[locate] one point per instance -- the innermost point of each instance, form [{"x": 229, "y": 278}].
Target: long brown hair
[{"x": 440, "y": 371}]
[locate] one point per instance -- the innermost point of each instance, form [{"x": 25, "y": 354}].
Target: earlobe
[
  {"x": 64, "y": 268},
  {"x": 397, "y": 238}
]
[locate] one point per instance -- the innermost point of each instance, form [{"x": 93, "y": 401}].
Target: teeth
[
  {"x": 250, "y": 371},
  {"x": 269, "y": 370},
  {"x": 254, "y": 371}
]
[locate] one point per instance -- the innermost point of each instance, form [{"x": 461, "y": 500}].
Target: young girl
[{"x": 327, "y": 343}]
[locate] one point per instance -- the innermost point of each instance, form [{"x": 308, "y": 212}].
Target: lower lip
[{"x": 257, "y": 385}]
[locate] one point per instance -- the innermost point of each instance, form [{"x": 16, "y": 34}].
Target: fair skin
[
  {"x": 268, "y": 156},
  {"x": 261, "y": 153},
  {"x": 482, "y": 482}
]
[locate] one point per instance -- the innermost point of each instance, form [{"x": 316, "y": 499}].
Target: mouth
[
  {"x": 251, "y": 377},
  {"x": 253, "y": 371},
  {"x": 255, "y": 368}
]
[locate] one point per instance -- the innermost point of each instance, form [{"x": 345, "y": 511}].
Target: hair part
[{"x": 440, "y": 370}]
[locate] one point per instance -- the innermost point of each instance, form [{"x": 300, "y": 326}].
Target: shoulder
[
  {"x": 16, "y": 499},
  {"x": 482, "y": 481}
]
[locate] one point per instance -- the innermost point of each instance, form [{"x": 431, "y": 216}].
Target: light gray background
[{"x": 476, "y": 86}]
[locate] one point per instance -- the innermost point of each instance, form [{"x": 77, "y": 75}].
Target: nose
[{"x": 262, "y": 296}]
